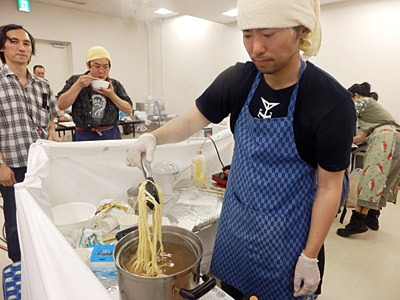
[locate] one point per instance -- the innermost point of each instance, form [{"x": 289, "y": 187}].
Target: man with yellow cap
[
  {"x": 293, "y": 124},
  {"x": 95, "y": 111}
]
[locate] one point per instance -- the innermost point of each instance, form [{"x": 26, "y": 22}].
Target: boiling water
[{"x": 174, "y": 259}]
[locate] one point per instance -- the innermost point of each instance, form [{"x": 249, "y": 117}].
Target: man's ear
[
  {"x": 87, "y": 65},
  {"x": 304, "y": 31}
]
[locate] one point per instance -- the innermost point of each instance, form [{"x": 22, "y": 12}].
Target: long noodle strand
[{"x": 145, "y": 259}]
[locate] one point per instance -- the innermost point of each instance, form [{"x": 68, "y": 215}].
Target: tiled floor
[{"x": 362, "y": 267}]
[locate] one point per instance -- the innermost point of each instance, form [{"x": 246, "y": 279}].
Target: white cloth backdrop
[{"x": 83, "y": 172}]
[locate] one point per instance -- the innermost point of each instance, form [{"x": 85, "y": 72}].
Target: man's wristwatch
[{"x": 1, "y": 162}]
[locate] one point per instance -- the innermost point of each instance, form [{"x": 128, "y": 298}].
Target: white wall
[
  {"x": 176, "y": 59},
  {"x": 194, "y": 52},
  {"x": 361, "y": 42},
  {"x": 125, "y": 40}
]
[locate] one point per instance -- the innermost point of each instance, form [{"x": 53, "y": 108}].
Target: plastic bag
[
  {"x": 355, "y": 176},
  {"x": 86, "y": 237}
]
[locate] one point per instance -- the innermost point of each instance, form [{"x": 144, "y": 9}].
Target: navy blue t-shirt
[{"x": 324, "y": 117}]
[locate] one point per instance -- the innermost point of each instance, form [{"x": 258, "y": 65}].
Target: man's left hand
[
  {"x": 106, "y": 92},
  {"x": 54, "y": 137},
  {"x": 307, "y": 272}
]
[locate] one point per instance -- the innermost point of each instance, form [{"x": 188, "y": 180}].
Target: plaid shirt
[
  {"x": 25, "y": 114},
  {"x": 82, "y": 107}
]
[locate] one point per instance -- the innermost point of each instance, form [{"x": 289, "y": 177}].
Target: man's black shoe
[
  {"x": 372, "y": 219},
  {"x": 355, "y": 226}
]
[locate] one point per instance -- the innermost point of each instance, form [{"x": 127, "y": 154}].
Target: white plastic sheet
[
  {"x": 50, "y": 267},
  {"x": 87, "y": 172}
]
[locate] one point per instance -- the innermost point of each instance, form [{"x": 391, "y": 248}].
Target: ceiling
[{"x": 142, "y": 10}]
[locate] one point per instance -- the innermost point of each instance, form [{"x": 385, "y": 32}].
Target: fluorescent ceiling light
[
  {"x": 162, "y": 11},
  {"x": 230, "y": 13}
]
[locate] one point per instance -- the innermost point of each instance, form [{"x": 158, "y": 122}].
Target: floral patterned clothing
[
  {"x": 393, "y": 180},
  {"x": 379, "y": 182},
  {"x": 380, "y": 165}
]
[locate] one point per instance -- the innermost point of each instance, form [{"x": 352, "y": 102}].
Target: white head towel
[{"x": 258, "y": 14}]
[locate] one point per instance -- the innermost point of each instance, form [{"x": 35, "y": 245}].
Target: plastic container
[
  {"x": 198, "y": 170},
  {"x": 165, "y": 173},
  {"x": 61, "y": 117},
  {"x": 84, "y": 254},
  {"x": 108, "y": 223}
]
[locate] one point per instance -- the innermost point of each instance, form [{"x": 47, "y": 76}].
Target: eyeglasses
[{"x": 103, "y": 67}]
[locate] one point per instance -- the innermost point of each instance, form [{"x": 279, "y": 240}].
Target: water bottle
[{"x": 199, "y": 167}]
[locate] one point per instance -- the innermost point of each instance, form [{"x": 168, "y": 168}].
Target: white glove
[
  {"x": 306, "y": 271},
  {"x": 146, "y": 143}
]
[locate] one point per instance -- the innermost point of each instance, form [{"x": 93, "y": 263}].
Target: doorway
[{"x": 56, "y": 58}]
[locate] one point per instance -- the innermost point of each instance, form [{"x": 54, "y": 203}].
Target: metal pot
[{"x": 178, "y": 286}]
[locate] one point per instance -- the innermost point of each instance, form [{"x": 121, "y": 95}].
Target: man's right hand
[
  {"x": 306, "y": 272},
  {"x": 84, "y": 81},
  {"x": 146, "y": 143},
  {"x": 7, "y": 177}
]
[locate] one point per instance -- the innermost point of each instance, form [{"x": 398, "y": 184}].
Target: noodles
[{"x": 144, "y": 262}]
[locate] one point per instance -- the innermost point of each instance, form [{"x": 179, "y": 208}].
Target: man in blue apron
[{"x": 293, "y": 125}]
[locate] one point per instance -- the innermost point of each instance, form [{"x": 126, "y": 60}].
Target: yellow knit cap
[
  {"x": 259, "y": 14},
  {"x": 97, "y": 52}
]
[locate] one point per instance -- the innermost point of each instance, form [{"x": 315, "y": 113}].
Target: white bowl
[
  {"x": 71, "y": 216},
  {"x": 97, "y": 84}
]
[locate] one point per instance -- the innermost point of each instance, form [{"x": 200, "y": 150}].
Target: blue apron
[{"x": 266, "y": 212}]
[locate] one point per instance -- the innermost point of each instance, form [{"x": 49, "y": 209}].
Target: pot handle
[
  {"x": 208, "y": 284},
  {"x": 120, "y": 234}
]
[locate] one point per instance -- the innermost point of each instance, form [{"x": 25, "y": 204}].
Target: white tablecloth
[{"x": 83, "y": 172}]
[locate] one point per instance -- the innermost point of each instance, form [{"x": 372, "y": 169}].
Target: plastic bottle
[
  {"x": 61, "y": 117},
  {"x": 199, "y": 167}
]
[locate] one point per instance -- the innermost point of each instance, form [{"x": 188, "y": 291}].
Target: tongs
[{"x": 150, "y": 185}]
